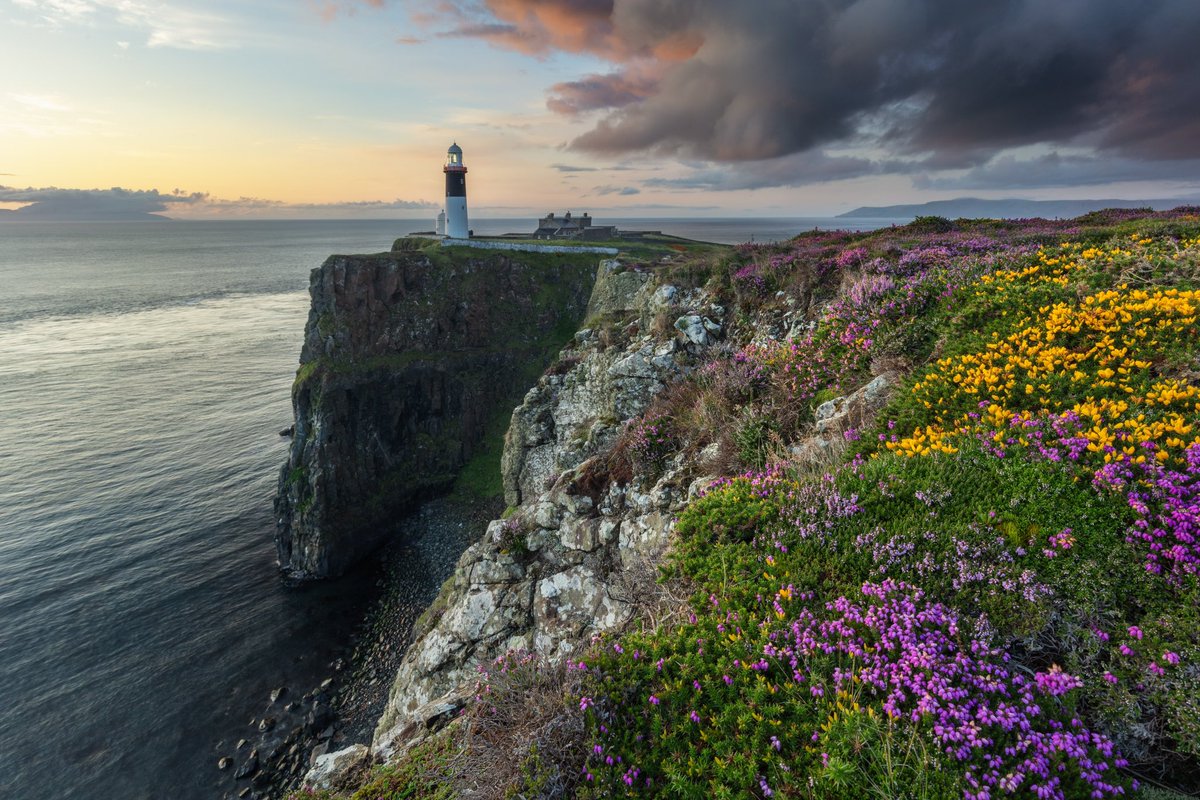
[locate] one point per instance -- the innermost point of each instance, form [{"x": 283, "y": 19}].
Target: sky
[{"x": 345, "y": 108}]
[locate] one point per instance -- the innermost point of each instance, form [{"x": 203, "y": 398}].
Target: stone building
[{"x": 569, "y": 227}]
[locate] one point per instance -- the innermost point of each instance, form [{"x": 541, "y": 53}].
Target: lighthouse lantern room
[{"x": 456, "y": 194}]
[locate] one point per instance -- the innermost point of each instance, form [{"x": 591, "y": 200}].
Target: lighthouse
[{"x": 456, "y": 194}]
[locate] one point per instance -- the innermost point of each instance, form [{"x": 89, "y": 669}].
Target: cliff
[
  {"x": 566, "y": 564},
  {"x": 909, "y": 512},
  {"x": 408, "y": 358}
]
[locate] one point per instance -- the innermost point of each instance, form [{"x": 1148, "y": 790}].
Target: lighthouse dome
[{"x": 454, "y": 150}]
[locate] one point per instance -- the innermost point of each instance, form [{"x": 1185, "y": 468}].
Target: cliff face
[
  {"x": 568, "y": 563},
  {"x": 408, "y": 358},
  {"x": 578, "y": 555}
]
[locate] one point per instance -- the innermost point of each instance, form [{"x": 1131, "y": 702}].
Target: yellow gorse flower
[{"x": 1095, "y": 357}]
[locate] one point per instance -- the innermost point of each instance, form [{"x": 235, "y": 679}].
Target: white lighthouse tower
[{"x": 456, "y": 194}]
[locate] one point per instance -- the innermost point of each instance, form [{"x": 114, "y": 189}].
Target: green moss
[
  {"x": 480, "y": 477},
  {"x": 304, "y": 372},
  {"x": 325, "y": 324},
  {"x": 423, "y": 772},
  {"x": 430, "y": 616},
  {"x": 1155, "y": 793}
]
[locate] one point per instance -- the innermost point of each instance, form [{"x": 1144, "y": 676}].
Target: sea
[{"x": 145, "y": 374}]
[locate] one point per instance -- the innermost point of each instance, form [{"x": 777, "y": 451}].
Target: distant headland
[{"x": 1010, "y": 208}]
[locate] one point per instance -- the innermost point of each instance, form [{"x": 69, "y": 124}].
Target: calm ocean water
[{"x": 145, "y": 371}]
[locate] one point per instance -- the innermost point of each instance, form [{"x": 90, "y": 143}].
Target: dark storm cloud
[
  {"x": 800, "y": 169},
  {"x": 948, "y": 81}
]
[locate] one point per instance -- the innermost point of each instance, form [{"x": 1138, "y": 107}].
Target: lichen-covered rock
[
  {"x": 699, "y": 330},
  {"x": 835, "y": 419},
  {"x": 551, "y": 598},
  {"x": 566, "y": 419},
  {"x": 338, "y": 770},
  {"x": 552, "y": 575}
]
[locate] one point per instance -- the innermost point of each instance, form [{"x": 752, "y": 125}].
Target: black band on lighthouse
[{"x": 456, "y": 184}]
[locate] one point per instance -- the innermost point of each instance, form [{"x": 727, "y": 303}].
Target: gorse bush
[{"x": 996, "y": 596}]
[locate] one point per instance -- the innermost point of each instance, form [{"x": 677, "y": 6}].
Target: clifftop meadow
[{"x": 908, "y": 513}]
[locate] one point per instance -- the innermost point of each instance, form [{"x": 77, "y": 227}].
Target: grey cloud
[
  {"x": 796, "y": 170},
  {"x": 94, "y": 204},
  {"x": 1053, "y": 169},
  {"x": 599, "y": 91},
  {"x": 53, "y": 203},
  {"x": 623, "y": 191},
  {"x": 951, "y": 82},
  {"x": 577, "y": 168}
]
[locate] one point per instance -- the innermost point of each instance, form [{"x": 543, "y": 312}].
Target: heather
[
  {"x": 983, "y": 586},
  {"x": 993, "y": 591}
]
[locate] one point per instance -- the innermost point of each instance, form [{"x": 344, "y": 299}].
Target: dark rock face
[{"x": 409, "y": 359}]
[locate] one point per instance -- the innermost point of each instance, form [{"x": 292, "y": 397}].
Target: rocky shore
[{"x": 295, "y": 727}]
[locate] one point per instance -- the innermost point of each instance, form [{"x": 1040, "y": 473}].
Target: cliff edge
[{"x": 409, "y": 358}]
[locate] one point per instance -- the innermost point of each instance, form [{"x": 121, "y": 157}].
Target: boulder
[{"x": 338, "y": 770}]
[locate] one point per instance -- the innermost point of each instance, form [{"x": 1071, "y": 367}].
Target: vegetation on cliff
[{"x": 988, "y": 589}]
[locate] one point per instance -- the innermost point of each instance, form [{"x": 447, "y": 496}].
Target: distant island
[{"x": 1012, "y": 208}]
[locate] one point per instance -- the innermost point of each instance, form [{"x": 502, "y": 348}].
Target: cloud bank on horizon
[
  {"x": 52, "y": 203},
  {"x": 1003, "y": 94}
]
